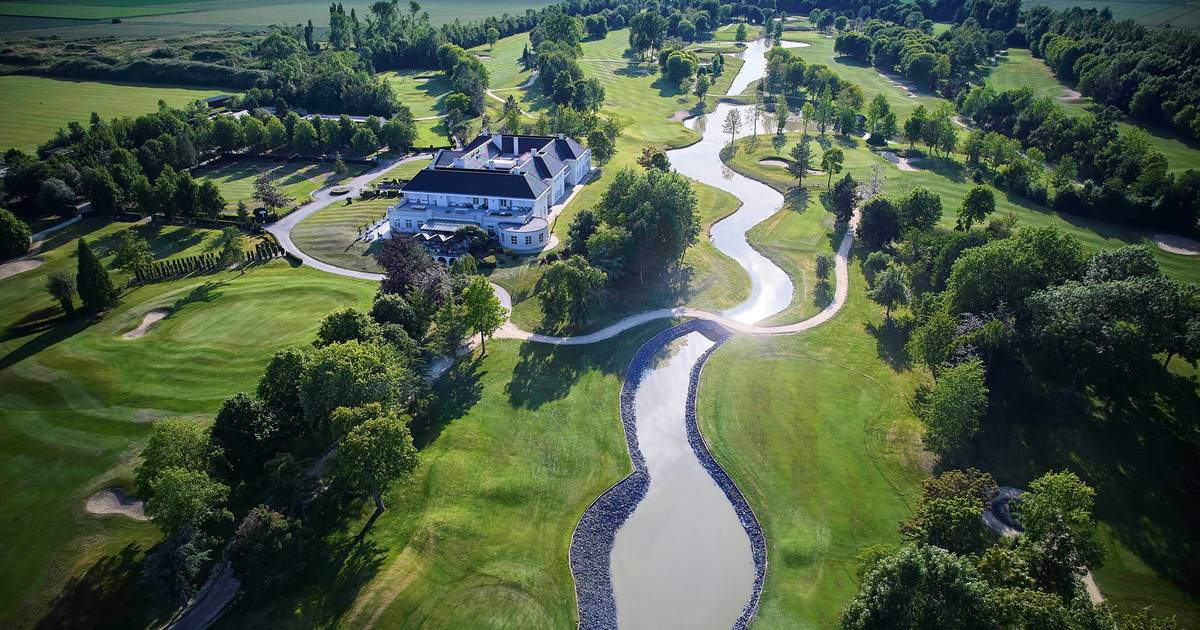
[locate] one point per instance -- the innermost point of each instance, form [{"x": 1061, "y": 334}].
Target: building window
[
  {"x": 514, "y": 240},
  {"x": 504, "y": 203},
  {"x": 542, "y": 237},
  {"x": 529, "y": 240},
  {"x": 408, "y": 223}
]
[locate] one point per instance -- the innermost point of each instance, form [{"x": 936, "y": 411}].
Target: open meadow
[
  {"x": 1184, "y": 14},
  {"x": 36, "y": 107}
]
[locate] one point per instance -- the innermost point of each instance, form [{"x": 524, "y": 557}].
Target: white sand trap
[
  {"x": 681, "y": 115},
  {"x": 115, "y": 501},
  {"x": 774, "y": 162},
  {"x": 18, "y": 266},
  {"x": 148, "y": 320},
  {"x": 1070, "y": 96},
  {"x": 901, "y": 163},
  {"x": 1177, "y": 244},
  {"x": 483, "y": 56}
]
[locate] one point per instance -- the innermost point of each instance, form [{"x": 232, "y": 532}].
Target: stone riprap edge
[
  {"x": 758, "y": 543},
  {"x": 592, "y": 541}
]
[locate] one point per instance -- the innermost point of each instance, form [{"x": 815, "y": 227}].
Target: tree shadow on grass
[
  {"x": 1138, "y": 452},
  {"x": 53, "y": 331},
  {"x": 545, "y": 373},
  {"x": 104, "y": 596},
  {"x": 890, "y": 339},
  {"x": 453, "y": 395}
]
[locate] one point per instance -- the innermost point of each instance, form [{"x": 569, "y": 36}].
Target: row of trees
[
  {"x": 1125, "y": 179},
  {"x": 1145, "y": 72}
]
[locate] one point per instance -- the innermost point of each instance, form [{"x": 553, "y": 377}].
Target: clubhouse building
[{"x": 505, "y": 184}]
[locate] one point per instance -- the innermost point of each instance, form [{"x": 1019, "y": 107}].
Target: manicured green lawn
[
  {"x": 521, "y": 442},
  {"x": 36, "y": 107},
  {"x": 815, "y": 429},
  {"x": 298, "y": 179},
  {"x": 332, "y": 233},
  {"x": 420, "y": 90},
  {"x": 1018, "y": 68},
  {"x": 76, "y": 399}
]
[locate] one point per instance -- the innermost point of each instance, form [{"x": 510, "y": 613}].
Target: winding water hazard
[{"x": 684, "y": 549}]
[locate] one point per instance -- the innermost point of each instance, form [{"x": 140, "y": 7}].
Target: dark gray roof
[
  {"x": 476, "y": 182},
  {"x": 567, "y": 148}
]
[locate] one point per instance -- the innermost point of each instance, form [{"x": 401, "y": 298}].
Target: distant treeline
[{"x": 1150, "y": 74}]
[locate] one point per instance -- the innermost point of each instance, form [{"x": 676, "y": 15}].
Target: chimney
[
  {"x": 560, "y": 136},
  {"x": 498, "y": 140},
  {"x": 516, "y": 145}
]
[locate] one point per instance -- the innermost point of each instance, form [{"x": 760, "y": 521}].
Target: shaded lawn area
[
  {"x": 420, "y": 90},
  {"x": 948, "y": 178},
  {"x": 298, "y": 179},
  {"x": 1018, "y": 68},
  {"x": 816, "y": 431},
  {"x": 519, "y": 442},
  {"x": 76, "y": 400},
  {"x": 1140, "y": 456}
]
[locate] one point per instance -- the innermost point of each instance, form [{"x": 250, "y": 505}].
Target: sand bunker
[
  {"x": 1177, "y": 244},
  {"x": 901, "y": 163},
  {"x": 115, "y": 501},
  {"x": 148, "y": 320},
  {"x": 18, "y": 266},
  {"x": 774, "y": 162},
  {"x": 681, "y": 115},
  {"x": 1070, "y": 96},
  {"x": 483, "y": 56}
]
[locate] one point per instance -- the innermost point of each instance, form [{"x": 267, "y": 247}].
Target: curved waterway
[{"x": 683, "y": 548}]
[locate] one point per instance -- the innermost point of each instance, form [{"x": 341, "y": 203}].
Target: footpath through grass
[
  {"x": 76, "y": 400},
  {"x": 36, "y": 107}
]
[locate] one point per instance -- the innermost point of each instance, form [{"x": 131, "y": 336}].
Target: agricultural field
[
  {"x": 37, "y": 107},
  {"x": 1018, "y": 68},
  {"x": 1183, "y": 14},
  {"x": 76, "y": 399},
  {"x": 297, "y": 179},
  {"x": 141, "y": 18}
]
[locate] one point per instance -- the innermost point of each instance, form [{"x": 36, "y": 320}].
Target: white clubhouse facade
[{"x": 505, "y": 184}]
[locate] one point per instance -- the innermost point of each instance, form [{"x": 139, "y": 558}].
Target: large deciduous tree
[
  {"x": 482, "y": 309},
  {"x": 568, "y": 290},
  {"x": 374, "y": 453},
  {"x": 919, "y": 587},
  {"x": 952, "y": 408},
  {"x": 14, "y": 235},
  {"x": 92, "y": 281}
]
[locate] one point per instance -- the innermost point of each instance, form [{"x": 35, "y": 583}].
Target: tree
[
  {"x": 659, "y": 211},
  {"x": 400, "y": 131},
  {"x": 268, "y": 192},
  {"x": 582, "y": 227},
  {"x": 352, "y": 374},
  {"x": 402, "y": 259},
  {"x": 600, "y": 144},
  {"x": 932, "y": 343},
  {"x": 231, "y": 247},
  {"x": 364, "y": 141},
  {"x": 493, "y": 36},
  {"x": 680, "y": 67},
  {"x": 919, "y": 586},
  {"x": 95, "y": 287},
  {"x": 484, "y": 313},
  {"x": 802, "y": 157},
  {"x": 61, "y": 287},
  {"x": 647, "y": 30},
  {"x": 375, "y": 454},
  {"x": 954, "y": 524},
  {"x": 347, "y": 324},
  {"x": 1061, "y": 499},
  {"x": 279, "y": 389},
  {"x": 831, "y": 163},
  {"x": 568, "y": 290},
  {"x": 209, "y": 200},
  {"x": 133, "y": 252},
  {"x": 879, "y": 224},
  {"x": 173, "y": 443},
  {"x": 248, "y": 434},
  {"x": 304, "y": 138},
  {"x": 654, "y": 157},
  {"x": 890, "y": 290},
  {"x": 914, "y": 127},
  {"x": 55, "y": 196},
  {"x": 920, "y": 209},
  {"x": 185, "y": 497},
  {"x": 951, "y": 409},
  {"x": 740, "y": 33},
  {"x": 15, "y": 235},
  {"x": 266, "y": 549},
  {"x": 844, "y": 197},
  {"x": 976, "y": 206},
  {"x": 701, "y": 89},
  {"x": 732, "y": 124}
]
